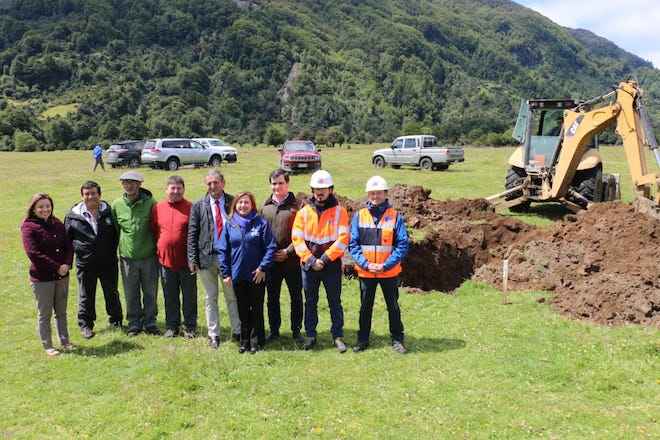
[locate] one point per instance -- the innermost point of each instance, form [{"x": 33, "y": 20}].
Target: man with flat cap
[{"x": 137, "y": 254}]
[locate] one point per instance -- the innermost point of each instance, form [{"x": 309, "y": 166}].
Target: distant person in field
[
  {"x": 280, "y": 210},
  {"x": 245, "y": 253},
  {"x": 51, "y": 255},
  {"x": 207, "y": 219},
  {"x": 97, "y": 153},
  {"x": 137, "y": 254},
  {"x": 379, "y": 241},
  {"x": 93, "y": 233},
  {"x": 169, "y": 221},
  {"x": 320, "y": 238}
]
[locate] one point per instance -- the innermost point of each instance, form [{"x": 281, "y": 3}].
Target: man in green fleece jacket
[{"x": 137, "y": 254}]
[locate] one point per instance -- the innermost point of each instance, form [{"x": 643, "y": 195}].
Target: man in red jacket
[{"x": 169, "y": 221}]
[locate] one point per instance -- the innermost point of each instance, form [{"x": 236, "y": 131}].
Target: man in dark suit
[{"x": 207, "y": 218}]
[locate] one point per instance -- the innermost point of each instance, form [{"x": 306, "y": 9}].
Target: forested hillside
[{"x": 81, "y": 71}]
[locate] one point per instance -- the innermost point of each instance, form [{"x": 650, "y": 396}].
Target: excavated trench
[{"x": 602, "y": 265}]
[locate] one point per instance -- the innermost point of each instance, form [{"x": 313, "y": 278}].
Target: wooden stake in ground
[{"x": 505, "y": 277}]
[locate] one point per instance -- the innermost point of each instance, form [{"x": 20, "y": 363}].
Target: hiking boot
[
  {"x": 339, "y": 343},
  {"x": 155, "y": 331},
  {"x": 298, "y": 338},
  {"x": 309, "y": 343},
  {"x": 171, "y": 333},
  {"x": 360, "y": 346},
  {"x": 399, "y": 347},
  {"x": 272, "y": 337},
  {"x": 189, "y": 333},
  {"x": 86, "y": 332},
  {"x": 214, "y": 342}
]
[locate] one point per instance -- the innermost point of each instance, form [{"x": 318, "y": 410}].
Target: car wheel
[
  {"x": 379, "y": 162},
  {"x": 426, "y": 164},
  {"x": 172, "y": 164},
  {"x": 133, "y": 163},
  {"x": 215, "y": 161}
]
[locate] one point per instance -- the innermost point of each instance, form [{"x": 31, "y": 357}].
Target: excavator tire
[
  {"x": 514, "y": 177},
  {"x": 589, "y": 184}
]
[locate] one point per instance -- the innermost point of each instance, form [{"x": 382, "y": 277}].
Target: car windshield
[
  {"x": 299, "y": 146},
  {"x": 217, "y": 143}
]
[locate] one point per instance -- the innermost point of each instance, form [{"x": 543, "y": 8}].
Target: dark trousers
[
  {"x": 87, "y": 281},
  {"x": 291, "y": 274},
  {"x": 390, "y": 287},
  {"x": 98, "y": 162},
  {"x": 250, "y": 298},
  {"x": 175, "y": 282},
  {"x": 330, "y": 276}
]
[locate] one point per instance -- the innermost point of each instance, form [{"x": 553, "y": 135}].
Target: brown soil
[{"x": 603, "y": 265}]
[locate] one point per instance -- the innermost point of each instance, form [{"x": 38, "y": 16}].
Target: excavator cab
[{"x": 539, "y": 130}]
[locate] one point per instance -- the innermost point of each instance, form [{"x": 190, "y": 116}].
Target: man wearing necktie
[{"x": 207, "y": 219}]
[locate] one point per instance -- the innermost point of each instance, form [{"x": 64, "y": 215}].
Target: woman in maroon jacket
[{"x": 51, "y": 254}]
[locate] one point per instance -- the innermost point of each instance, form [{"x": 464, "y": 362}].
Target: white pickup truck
[{"x": 420, "y": 151}]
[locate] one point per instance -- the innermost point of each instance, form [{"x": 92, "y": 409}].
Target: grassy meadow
[{"x": 476, "y": 369}]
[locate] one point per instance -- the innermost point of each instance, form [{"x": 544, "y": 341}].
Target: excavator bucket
[{"x": 647, "y": 207}]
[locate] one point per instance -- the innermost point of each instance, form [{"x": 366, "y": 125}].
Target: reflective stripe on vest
[{"x": 376, "y": 241}]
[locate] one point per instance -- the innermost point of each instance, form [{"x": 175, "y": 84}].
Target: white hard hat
[
  {"x": 321, "y": 179},
  {"x": 376, "y": 183}
]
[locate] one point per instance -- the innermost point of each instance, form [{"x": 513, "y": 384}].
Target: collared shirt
[
  {"x": 93, "y": 220},
  {"x": 277, "y": 200}
]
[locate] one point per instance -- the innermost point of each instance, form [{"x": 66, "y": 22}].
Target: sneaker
[
  {"x": 242, "y": 349},
  {"x": 254, "y": 349},
  {"x": 309, "y": 343},
  {"x": 189, "y": 334},
  {"x": 51, "y": 352},
  {"x": 214, "y": 342},
  {"x": 87, "y": 332},
  {"x": 360, "y": 346},
  {"x": 133, "y": 332},
  {"x": 339, "y": 343},
  {"x": 155, "y": 331},
  {"x": 399, "y": 347},
  {"x": 171, "y": 333},
  {"x": 272, "y": 337}
]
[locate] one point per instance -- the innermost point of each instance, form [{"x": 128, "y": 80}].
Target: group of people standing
[{"x": 231, "y": 243}]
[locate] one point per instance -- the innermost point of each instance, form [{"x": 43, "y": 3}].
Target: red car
[{"x": 299, "y": 155}]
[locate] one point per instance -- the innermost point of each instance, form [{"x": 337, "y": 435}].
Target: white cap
[
  {"x": 376, "y": 183},
  {"x": 321, "y": 179}
]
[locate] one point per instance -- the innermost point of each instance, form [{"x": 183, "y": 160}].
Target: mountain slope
[{"x": 368, "y": 68}]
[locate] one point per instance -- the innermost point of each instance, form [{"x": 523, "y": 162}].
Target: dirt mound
[
  {"x": 603, "y": 265},
  {"x": 452, "y": 249}
]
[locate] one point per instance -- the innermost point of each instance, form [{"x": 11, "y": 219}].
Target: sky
[{"x": 633, "y": 25}]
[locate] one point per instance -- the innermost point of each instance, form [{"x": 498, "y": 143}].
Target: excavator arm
[{"x": 627, "y": 112}]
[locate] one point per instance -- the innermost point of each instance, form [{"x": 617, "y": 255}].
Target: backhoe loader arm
[{"x": 580, "y": 126}]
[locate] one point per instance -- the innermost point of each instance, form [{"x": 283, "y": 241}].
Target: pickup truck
[{"x": 420, "y": 151}]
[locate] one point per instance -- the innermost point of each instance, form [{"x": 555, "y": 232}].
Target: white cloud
[{"x": 633, "y": 26}]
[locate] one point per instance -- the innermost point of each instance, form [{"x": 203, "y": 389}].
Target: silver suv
[{"x": 170, "y": 154}]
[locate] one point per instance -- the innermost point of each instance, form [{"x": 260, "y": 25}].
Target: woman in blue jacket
[{"x": 245, "y": 252}]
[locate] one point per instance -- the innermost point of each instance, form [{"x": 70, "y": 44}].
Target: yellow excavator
[{"x": 557, "y": 161}]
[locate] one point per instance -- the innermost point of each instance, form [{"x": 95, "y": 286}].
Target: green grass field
[{"x": 476, "y": 368}]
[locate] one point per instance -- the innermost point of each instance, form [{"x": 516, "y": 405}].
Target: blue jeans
[{"x": 330, "y": 276}]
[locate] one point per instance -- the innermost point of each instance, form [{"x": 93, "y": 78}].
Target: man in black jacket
[
  {"x": 280, "y": 211},
  {"x": 207, "y": 217},
  {"x": 90, "y": 227}
]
